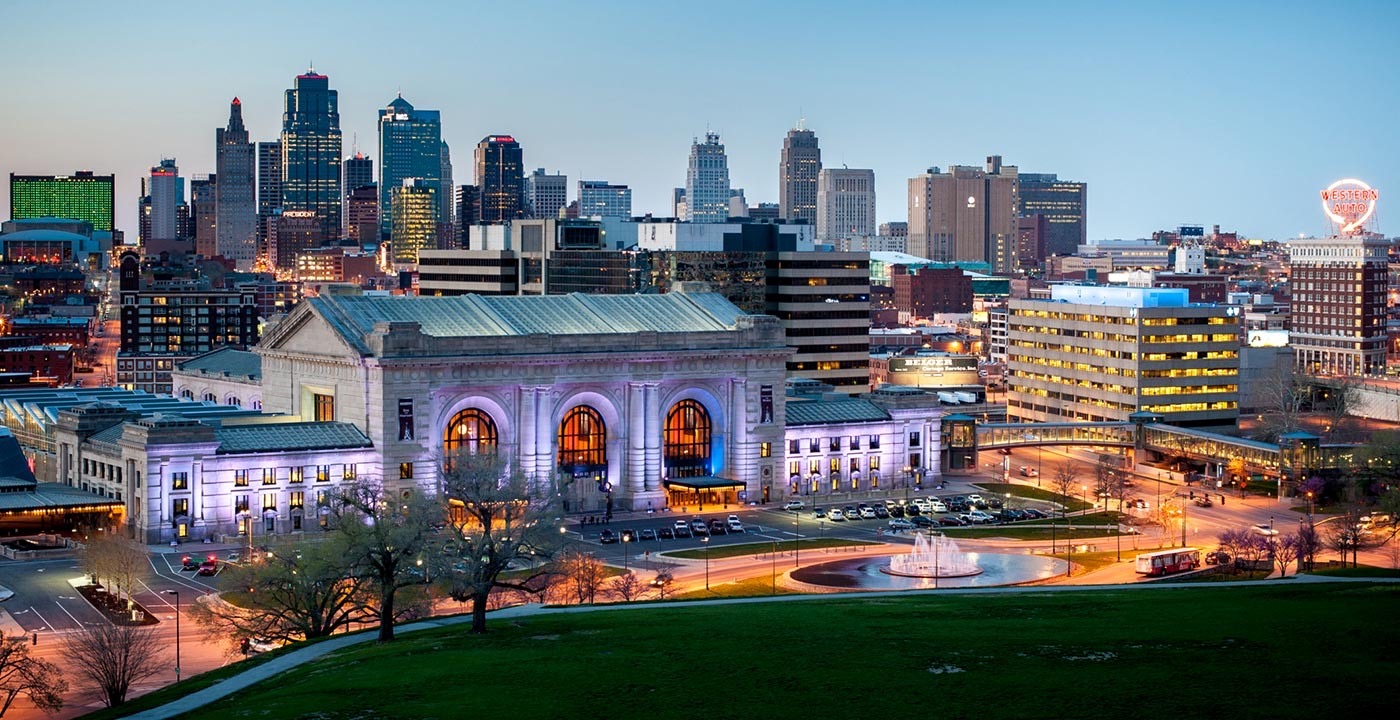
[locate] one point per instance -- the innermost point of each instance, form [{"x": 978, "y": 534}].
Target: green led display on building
[{"x": 80, "y": 196}]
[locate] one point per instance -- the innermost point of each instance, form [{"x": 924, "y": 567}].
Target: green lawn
[
  {"x": 1034, "y": 493},
  {"x": 1364, "y": 571},
  {"x": 729, "y": 551},
  {"x": 1061, "y": 655}
]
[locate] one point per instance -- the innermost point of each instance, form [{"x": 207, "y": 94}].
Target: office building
[
  {"x": 1031, "y": 233},
  {"x": 235, "y": 194},
  {"x": 410, "y": 146},
  {"x": 291, "y": 232},
  {"x": 362, "y": 215},
  {"x": 1339, "y": 287},
  {"x": 204, "y": 192},
  {"x": 1062, "y": 203},
  {"x": 413, "y": 227},
  {"x": 924, "y": 292},
  {"x": 359, "y": 172},
  {"x": 166, "y": 190},
  {"x": 545, "y": 195},
  {"x": 678, "y": 204},
  {"x": 80, "y": 196},
  {"x": 738, "y": 204},
  {"x": 845, "y": 204},
  {"x": 707, "y": 182},
  {"x": 311, "y": 151},
  {"x": 468, "y": 212},
  {"x": 1103, "y": 353},
  {"x": 599, "y": 198},
  {"x": 798, "y": 169},
  {"x": 965, "y": 214},
  {"x": 269, "y": 188},
  {"x": 447, "y": 206},
  {"x": 500, "y": 179}
]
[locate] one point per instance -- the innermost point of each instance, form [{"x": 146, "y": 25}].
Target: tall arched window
[
  {"x": 688, "y": 432},
  {"x": 471, "y": 431},
  {"x": 583, "y": 441}
]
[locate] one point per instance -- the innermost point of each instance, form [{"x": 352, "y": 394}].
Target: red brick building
[
  {"x": 40, "y": 361},
  {"x": 931, "y": 291}
]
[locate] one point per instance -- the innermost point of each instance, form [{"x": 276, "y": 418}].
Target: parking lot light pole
[
  {"x": 706, "y": 541},
  {"x": 176, "y": 593},
  {"x": 907, "y": 470},
  {"x": 797, "y": 539},
  {"x": 625, "y": 569}
]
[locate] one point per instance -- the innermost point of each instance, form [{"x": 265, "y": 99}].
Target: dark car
[
  {"x": 994, "y": 502},
  {"x": 896, "y": 511},
  {"x": 1034, "y": 514},
  {"x": 1217, "y": 558},
  {"x": 717, "y": 528},
  {"x": 188, "y": 563},
  {"x": 912, "y": 511},
  {"x": 922, "y": 521},
  {"x": 665, "y": 533},
  {"x": 682, "y": 531},
  {"x": 1203, "y": 501},
  {"x": 648, "y": 534},
  {"x": 607, "y": 537},
  {"x": 881, "y": 512},
  {"x": 208, "y": 567},
  {"x": 1012, "y": 514},
  {"x": 950, "y": 521},
  {"x": 629, "y": 535}
]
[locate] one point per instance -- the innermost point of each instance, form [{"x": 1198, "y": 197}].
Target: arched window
[
  {"x": 471, "y": 432},
  {"x": 211, "y": 397},
  {"x": 187, "y": 394},
  {"x": 688, "y": 432},
  {"x": 583, "y": 442}
]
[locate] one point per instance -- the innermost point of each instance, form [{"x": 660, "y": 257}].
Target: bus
[{"x": 1166, "y": 562}]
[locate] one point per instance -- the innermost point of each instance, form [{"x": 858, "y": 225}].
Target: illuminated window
[
  {"x": 688, "y": 434},
  {"x": 179, "y": 481},
  {"x": 765, "y": 450},
  {"x": 350, "y": 472},
  {"x": 471, "y": 432},
  {"x": 583, "y": 439},
  {"x": 325, "y": 407},
  {"x": 296, "y": 475},
  {"x": 406, "y": 471},
  {"x": 240, "y": 478}
]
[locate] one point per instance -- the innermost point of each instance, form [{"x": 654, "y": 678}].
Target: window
[
  {"x": 874, "y": 442},
  {"x": 180, "y": 508},
  {"x": 834, "y": 467},
  {"x": 471, "y": 432},
  {"x": 240, "y": 478},
  {"x": 298, "y": 500},
  {"x": 351, "y": 472},
  {"x": 324, "y": 407},
  {"x": 855, "y": 464},
  {"x": 687, "y": 438},
  {"x": 874, "y": 463},
  {"x": 269, "y": 501},
  {"x": 240, "y": 504},
  {"x": 296, "y": 475},
  {"x": 583, "y": 440},
  {"x": 834, "y": 444},
  {"x": 211, "y": 398},
  {"x": 323, "y": 473},
  {"x": 855, "y": 442},
  {"x": 269, "y": 476},
  {"x": 914, "y": 439},
  {"x": 765, "y": 450},
  {"x": 916, "y": 461},
  {"x": 406, "y": 471},
  {"x": 814, "y": 445},
  {"x": 179, "y": 481}
]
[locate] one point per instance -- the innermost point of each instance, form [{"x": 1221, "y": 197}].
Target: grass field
[
  {"x": 1070, "y": 503},
  {"x": 1167, "y": 653},
  {"x": 728, "y": 551}
]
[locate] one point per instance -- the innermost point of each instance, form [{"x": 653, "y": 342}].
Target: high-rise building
[
  {"x": 500, "y": 179},
  {"x": 845, "y": 204},
  {"x": 269, "y": 188},
  {"x": 678, "y": 204},
  {"x": 598, "y": 198},
  {"x": 290, "y": 233},
  {"x": 362, "y": 215},
  {"x": 1063, "y": 203},
  {"x": 468, "y": 212},
  {"x": 413, "y": 226},
  {"x": 447, "y": 211},
  {"x": 359, "y": 172},
  {"x": 166, "y": 190},
  {"x": 311, "y": 151},
  {"x": 707, "y": 182},
  {"x": 80, "y": 196},
  {"x": 1339, "y": 287},
  {"x": 545, "y": 194},
  {"x": 1031, "y": 231},
  {"x": 1093, "y": 353},
  {"x": 410, "y": 146},
  {"x": 204, "y": 193},
  {"x": 235, "y": 194},
  {"x": 798, "y": 170},
  {"x": 967, "y": 214},
  {"x": 738, "y": 204}
]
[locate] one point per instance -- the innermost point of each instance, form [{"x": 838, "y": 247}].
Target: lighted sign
[{"x": 1349, "y": 203}]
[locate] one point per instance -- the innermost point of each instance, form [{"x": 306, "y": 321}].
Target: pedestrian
[{"x": 36, "y": 638}]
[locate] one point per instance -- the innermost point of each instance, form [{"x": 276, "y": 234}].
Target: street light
[
  {"x": 907, "y": 470},
  {"x": 706, "y": 541},
  {"x": 797, "y": 538},
  {"x": 176, "y": 593},
  {"x": 626, "y": 537}
]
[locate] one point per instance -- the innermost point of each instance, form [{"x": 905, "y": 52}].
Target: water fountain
[{"x": 933, "y": 556}]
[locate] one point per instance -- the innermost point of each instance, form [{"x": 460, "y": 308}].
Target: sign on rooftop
[{"x": 1349, "y": 203}]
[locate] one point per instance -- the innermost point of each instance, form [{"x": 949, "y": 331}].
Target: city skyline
[{"x": 1149, "y": 106}]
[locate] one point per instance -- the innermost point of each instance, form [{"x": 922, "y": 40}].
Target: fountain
[{"x": 934, "y": 556}]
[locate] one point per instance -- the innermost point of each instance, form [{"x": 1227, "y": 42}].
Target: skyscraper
[
  {"x": 597, "y": 198},
  {"x": 845, "y": 204},
  {"x": 311, "y": 151},
  {"x": 204, "y": 209},
  {"x": 410, "y": 146},
  {"x": 414, "y": 206},
  {"x": 967, "y": 214},
  {"x": 500, "y": 181},
  {"x": 269, "y": 188},
  {"x": 166, "y": 190},
  {"x": 235, "y": 193},
  {"x": 545, "y": 194},
  {"x": 1338, "y": 304},
  {"x": 359, "y": 172},
  {"x": 797, "y": 175},
  {"x": 1063, "y": 204},
  {"x": 80, "y": 196},
  {"x": 446, "y": 197},
  {"x": 707, "y": 182}
]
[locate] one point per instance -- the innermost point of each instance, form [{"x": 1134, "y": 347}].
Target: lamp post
[
  {"x": 775, "y": 567},
  {"x": 797, "y": 538},
  {"x": 625, "y": 538},
  {"x": 1183, "y": 524},
  {"x": 706, "y": 541},
  {"x": 906, "y": 484},
  {"x": 176, "y": 593}
]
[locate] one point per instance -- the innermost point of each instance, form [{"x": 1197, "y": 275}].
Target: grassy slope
[{"x": 1215, "y": 652}]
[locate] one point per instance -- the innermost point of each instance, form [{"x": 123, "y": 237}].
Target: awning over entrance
[{"x": 704, "y": 482}]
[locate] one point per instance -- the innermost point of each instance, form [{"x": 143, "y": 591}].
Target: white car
[
  {"x": 867, "y": 513},
  {"x": 835, "y": 515},
  {"x": 938, "y": 507},
  {"x": 974, "y": 498},
  {"x": 735, "y": 526},
  {"x": 793, "y": 505},
  {"x": 1264, "y": 529}
]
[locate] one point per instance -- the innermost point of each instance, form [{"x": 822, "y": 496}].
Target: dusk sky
[{"x": 1203, "y": 112}]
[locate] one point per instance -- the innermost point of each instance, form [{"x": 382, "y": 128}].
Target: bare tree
[
  {"x": 1229, "y": 542},
  {"x": 662, "y": 583},
  {"x": 497, "y": 517},
  {"x": 1283, "y": 395},
  {"x": 22, "y": 674},
  {"x": 1062, "y": 482},
  {"x": 1285, "y": 551},
  {"x": 1347, "y": 534},
  {"x": 1309, "y": 544},
  {"x": 293, "y": 593},
  {"x": 584, "y": 575},
  {"x": 1253, "y": 549},
  {"x": 385, "y": 540},
  {"x": 1338, "y": 403},
  {"x": 117, "y": 563},
  {"x": 628, "y": 587},
  {"x": 110, "y": 659}
]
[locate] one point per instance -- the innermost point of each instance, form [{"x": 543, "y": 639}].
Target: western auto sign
[{"x": 1349, "y": 203}]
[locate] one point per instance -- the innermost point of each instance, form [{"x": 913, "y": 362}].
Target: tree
[
  {"x": 628, "y": 587},
  {"x": 497, "y": 517},
  {"x": 584, "y": 575},
  {"x": 1346, "y": 534},
  {"x": 23, "y": 674},
  {"x": 1285, "y": 551},
  {"x": 384, "y": 540},
  {"x": 112, "y": 658},
  {"x": 1309, "y": 544},
  {"x": 1229, "y": 542},
  {"x": 1283, "y": 395},
  {"x": 116, "y": 562},
  {"x": 1338, "y": 403},
  {"x": 1062, "y": 482},
  {"x": 293, "y": 593},
  {"x": 662, "y": 583}
]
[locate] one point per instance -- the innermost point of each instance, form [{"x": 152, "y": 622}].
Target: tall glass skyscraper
[
  {"x": 410, "y": 146},
  {"x": 500, "y": 179},
  {"x": 707, "y": 182},
  {"x": 311, "y": 143},
  {"x": 80, "y": 196},
  {"x": 235, "y": 193}
]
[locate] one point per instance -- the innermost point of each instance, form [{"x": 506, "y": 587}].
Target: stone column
[
  {"x": 653, "y": 415},
  {"x": 544, "y": 431},
  {"x": 736, "y": 449},
  {"x": 636, "y": 464},
  {"x": 525, "y": 430}
]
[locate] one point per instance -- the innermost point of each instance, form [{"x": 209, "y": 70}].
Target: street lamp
[
  {"x": 176, "y": 593},
  {"x": 907, "y": 470},
  {"x": 797, "y": 538},
  {"x": 626, "y": 537},
  {"x": 706, "y": 541}
]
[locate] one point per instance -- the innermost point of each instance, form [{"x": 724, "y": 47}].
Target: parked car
[
  {"x": 994, "y": 502},
  {"x": 911, "y": 510},
  {"x": 681, "y": 528},
  {"x": 868, "y": 513},
  {"x": 937, "y": 506},
  {"x": 836, "y": 515},
  {"x": 718, "y": 527},
  {"x": 1027, "y": 471},
  {"x": 629, "y": 535},
  {"x": 647, "y": 534},
  {"x": 950, "y": 521},
  {"x": 980, "y": 517},
  {"x": 818, "y": 512},
  {"x": 881, "y": 513},
  {"x": 900, "y": 524},
  {"x": 1034, "y": 513},
  {"x": 1011, "y": 514},
  {"x": 793, "y": 505},
  {"x": 975, "y": 498},
  {"x": 1217, "y": 557},
  {"x": 665, "y": 533},
  {"x": 851, "y": 513},
  {"x": 922, "y": 521},
  {"x": 607, "y": 537},
  {"x": 896, "y": 511},
  {"x": 208, "y": 567},
  {"x": 735, "y": 526}
]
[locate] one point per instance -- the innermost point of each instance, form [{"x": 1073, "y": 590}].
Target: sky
[{"x": 1175, "y": 113}]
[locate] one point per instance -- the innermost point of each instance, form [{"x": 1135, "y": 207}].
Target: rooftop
[
  {"x": 226, "y": 362},
  {"x": 1133, "y": 297},
  {"x": 833, "y": 412},
  {"x": 289, "y": 437}
]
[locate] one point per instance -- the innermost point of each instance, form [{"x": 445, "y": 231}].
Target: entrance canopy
[{"x": 705, "y": 482}]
